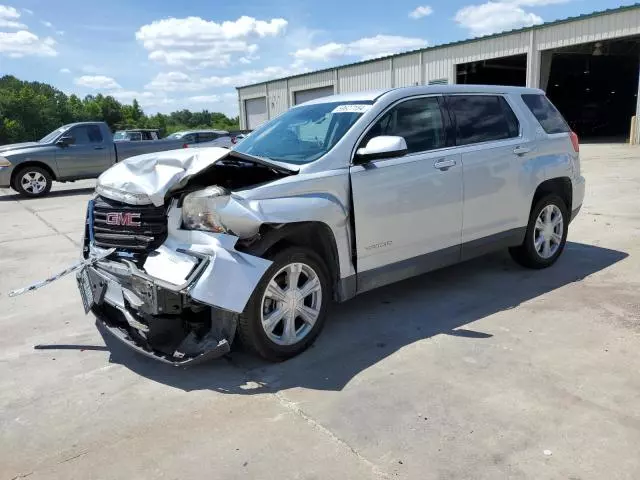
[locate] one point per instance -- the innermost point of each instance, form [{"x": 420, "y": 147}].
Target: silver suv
[{"x": 186, "y": 249}]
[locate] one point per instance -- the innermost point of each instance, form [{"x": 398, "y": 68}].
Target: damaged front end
[{"x": 169, "y": 291}]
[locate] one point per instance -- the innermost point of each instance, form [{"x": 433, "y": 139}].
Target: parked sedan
[
  {"x": 227, "y": 141},
  {"x": 190, "y": 137}
]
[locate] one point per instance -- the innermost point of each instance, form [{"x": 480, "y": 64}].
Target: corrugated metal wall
[
  {"x": 603, "y": 27},
  {"x": 365, "y": 76},
  {"x": 440, "y": 63},
  {"x": 278, "y": 98},
  {"x": 406, "y": 70}
]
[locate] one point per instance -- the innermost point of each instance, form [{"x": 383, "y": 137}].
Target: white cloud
[
  {"x": 421, "y": 11},
  {"x": 98, "y": 82},
  {"x": 499, "y": 16},
  {"x": 27, "y": 11},
  {"x": 65, "y": 70},
  {"x": 205, "y": 98},
  {"x": 197, "y": 43},
  {"x": 59, "y": 32},
  {"x": 180, "y": 81},
  {"x": 9, "y": 18},
  {"x": 47, "y": 24},
  {"x": 365, "y": 48},
  {"x": 23, "y": 43}
]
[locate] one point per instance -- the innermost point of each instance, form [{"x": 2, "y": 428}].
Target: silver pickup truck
[
  {"x": 71, "y": 152},
  {"x": 186, "y": 249}
]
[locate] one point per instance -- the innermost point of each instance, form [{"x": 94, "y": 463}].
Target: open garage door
[
  {"x": 595, "y": 87},
  {"x": 302, "y": 96},
  {"x": 497, "y": 71},
  {"x": 256, "y": 112}
]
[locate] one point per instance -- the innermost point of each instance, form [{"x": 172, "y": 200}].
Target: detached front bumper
[{"x": 180, "y": 306}]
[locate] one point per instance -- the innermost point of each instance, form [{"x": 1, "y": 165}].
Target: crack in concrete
[
  {"x": 52, "y": 227},
  {"x": 74, "y": 457},
  {"x": 292, "y": 407}
]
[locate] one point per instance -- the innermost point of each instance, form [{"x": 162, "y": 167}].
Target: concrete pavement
[{"x": 483, "y": 370}]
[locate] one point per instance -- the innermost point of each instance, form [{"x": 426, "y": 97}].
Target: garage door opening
[
  {"x": 302, "y": 96},
  {"x": 255, "y": 112},
  {"x": 498, "y": 71},
  {"x": 595, "y": 86}
]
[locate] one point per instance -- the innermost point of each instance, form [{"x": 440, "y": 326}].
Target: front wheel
[
  {"x": 546, "y": 234},
  {"x": 288, "y": 307},
  {"x": 32, "y": 182}
]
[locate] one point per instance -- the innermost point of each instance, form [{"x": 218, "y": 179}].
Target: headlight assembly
[
  {"x": 200, "y": 209},
  {"x": 4, "y": 162}
]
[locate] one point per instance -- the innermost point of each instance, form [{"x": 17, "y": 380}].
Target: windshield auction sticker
[{"x": 351, "y": 108}]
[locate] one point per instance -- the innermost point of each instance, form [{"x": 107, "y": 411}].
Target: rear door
[
  {"x": 494, "y": 151},
  {"x": 408, "y": 210},
  {"x": 87, "y": 157}
]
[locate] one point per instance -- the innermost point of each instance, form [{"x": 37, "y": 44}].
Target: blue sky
[{"x": 190, "y": 54}]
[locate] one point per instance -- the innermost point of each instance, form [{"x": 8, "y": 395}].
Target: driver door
[
  {"x": 408, "y": 210},
  {"x": 87, "y": 157}
]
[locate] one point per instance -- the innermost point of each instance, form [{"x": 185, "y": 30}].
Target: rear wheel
[
  {"x": 32, "y": 182},
  {"x": 546, "y": 234},
  {"x": 288, "y": 308}
]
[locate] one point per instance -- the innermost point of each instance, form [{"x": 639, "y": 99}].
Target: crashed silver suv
[{"x": 187, "y": 249}]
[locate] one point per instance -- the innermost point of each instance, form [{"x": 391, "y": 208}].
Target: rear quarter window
[
  {"x": 549, "y": 117},
  {"x": 482, "y": 118}
]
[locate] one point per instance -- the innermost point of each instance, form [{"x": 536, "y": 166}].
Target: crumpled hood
[
  {"x": 17, "y": 146},
  {"x": 148, "y": 178}
]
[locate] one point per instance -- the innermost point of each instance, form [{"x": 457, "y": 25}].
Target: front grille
[{"x": 134, "y": 239}]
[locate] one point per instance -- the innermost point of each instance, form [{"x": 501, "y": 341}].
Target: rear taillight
[
  {"x": 575, "y": 141},
  {"x": 186, "y": 145},
  {"x": 234, "y": 140}
]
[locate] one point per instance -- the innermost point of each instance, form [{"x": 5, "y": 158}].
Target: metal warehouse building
[{"x": 588, "y": 65}]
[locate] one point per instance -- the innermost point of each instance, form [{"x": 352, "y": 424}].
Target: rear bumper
[
  {"x": 5, "y": 176},
  {"x": 578, "y": 195}
]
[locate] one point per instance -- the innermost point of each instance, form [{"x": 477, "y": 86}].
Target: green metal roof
[{"x": 597, "y": 13}]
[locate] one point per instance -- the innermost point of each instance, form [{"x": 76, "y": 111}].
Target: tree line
[{"x": 30, "y": 110}]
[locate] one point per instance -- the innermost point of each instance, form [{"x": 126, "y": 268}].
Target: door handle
[
  {"x": 520, "y": 150},
  {"x": 98, "y": 148},
  {"x": 444, "y": 164}
]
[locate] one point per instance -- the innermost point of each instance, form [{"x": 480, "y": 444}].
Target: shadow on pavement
[
  {"x": 55, "y": 193},
  {"x": 369, "y": 328}
]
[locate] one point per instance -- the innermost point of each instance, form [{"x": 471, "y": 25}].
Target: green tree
[{"x": 30, "y": 110}]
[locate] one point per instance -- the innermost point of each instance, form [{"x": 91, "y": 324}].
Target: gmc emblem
[{"x": 123, "y": 219}]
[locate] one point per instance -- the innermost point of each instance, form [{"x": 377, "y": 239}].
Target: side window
[
  {"x": 482, "y": 118},
  {"x": 191, "y": 138},
  {"x": 206, "y": 137},
  {"x": 548, "y": 116},
  {"x": 86, "y": 134},
  {"x": 418, "y": 121}
]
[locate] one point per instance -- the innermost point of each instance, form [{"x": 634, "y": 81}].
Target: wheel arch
[
  {"x": 30, "y": 163},
  {"x": 560, "y": 186},
  {"x": 315, "y": 235}
]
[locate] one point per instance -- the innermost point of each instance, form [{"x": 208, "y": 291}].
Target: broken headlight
[{"x": 200, "y": 209}]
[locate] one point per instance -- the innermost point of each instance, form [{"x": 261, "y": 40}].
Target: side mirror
[
  {"x": 66, "y": 140},
  {"x": 381, "y": 147}
]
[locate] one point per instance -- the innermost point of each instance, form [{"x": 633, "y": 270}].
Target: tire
[
  {"x": 544, "y": 241},
  {"x": 40, "y": 183},
  {"x": 274, "y": 341}
]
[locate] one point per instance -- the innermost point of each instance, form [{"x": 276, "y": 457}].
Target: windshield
[
  {"x": 53, "y": 135},
  {"x": 303, "y": 134},
  {"x": 121, "y": 136}
]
